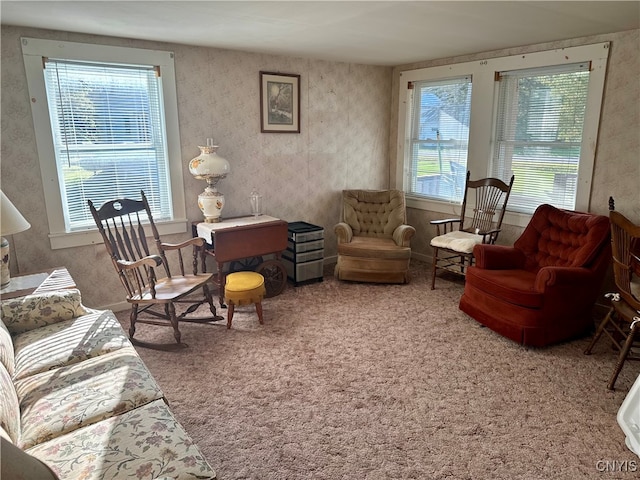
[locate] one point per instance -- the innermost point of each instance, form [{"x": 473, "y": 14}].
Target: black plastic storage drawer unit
[{"x": 304, "y": 257}]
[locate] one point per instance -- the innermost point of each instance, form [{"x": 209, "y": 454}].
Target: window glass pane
[
  {"x": 539, "y": 134},
  {"x": 440, "y": 138},
  {"x": 108, "y": 131}
]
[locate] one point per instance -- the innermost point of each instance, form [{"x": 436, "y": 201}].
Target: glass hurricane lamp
[{"x": 211, "y": 167}]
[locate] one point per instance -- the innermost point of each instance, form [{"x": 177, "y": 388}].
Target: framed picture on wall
[{"x": 279, "y": 102}]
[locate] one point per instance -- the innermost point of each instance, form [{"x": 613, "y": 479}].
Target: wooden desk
[
  {"x": 243, "y": 237},
  {"x": 40, "y": 282}
]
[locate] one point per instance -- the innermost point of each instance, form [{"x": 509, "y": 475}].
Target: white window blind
[
  {"x": 108, "y": 130},
  {"x": 539, "y": 128},
  {"x": 440, "y": 117}
]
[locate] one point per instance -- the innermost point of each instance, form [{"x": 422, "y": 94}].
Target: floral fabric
[
  {"x": 62, "y": 400},
  {"x": 7, "y": 358},
  {"x": 67, "y": 342},
  {"x": 9, "y": 407},
  {"x": 145, "y": 443},
  {"x": 34, "y": 311}
]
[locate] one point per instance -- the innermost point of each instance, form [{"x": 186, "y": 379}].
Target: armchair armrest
[
  {"x": 150, "y": 261},
  {"x": 402, "y": 235},
  {"x": 343, "y": 232},
  {"x": 498, "y": 257},
  {"x": 563, "y": 276}
]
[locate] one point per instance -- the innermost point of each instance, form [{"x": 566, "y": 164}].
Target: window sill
[
  {"x": 453, "y": 210},
  {"x": 92, "y": 237}
]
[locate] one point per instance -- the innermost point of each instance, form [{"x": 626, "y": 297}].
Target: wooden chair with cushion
[
  {"x": 122, "y": 226},
  {"x": 373, "y": 237},
  {"x": 622, "y": 323},
  {"x": 542, "y": 289},
  {"x": 455, "y": 237}
]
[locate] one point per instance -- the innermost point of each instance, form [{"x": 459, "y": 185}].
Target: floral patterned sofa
[{"x": 75, "y": 396}]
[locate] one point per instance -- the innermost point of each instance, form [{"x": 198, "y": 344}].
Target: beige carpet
[{"x": 361, "y": 381}]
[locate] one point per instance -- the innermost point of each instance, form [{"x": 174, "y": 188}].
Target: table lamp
[
  {"x": 211, "y": 167},
  {"x": 11, "y": 222}
]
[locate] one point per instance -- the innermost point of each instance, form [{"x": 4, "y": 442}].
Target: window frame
[
  {"x": 484, "y": 103},
  {"x": 33, "y": 51}
]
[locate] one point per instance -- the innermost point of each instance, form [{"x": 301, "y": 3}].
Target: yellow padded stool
[{"x": 243, "y": 288}]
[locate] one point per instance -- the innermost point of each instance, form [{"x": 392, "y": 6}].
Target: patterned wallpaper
[
  {"x": 345, "y": 110},
  {"x": 348, "y": 134}
]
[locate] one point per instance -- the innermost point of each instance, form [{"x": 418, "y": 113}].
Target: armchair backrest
[
  {"x": 374, "y": 213},
  {"x": 563, "y": 238}
]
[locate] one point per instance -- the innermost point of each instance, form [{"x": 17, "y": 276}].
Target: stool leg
[
  {"x": 259, "y": 312},
  {"x": 230, "y": 309}
]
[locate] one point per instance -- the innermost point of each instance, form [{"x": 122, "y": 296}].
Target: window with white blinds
[
  {"x": 538, "y": 138},
  {"x": 106, "y": 126},
  {"x": 439, "y": 142},
  {"x": 108, "y": 136}
]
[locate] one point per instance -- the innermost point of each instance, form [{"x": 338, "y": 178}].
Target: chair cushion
[
  {"x": 512, "y": 286},
  {"x": 146, "y": 442},
  {"x": 457, "y": 241},
  {"x": 244, "y": 288},
  {"x": 62, "y": 400},
  {"x": 372, "y": 247},
  {"x": 67, "y": 342}
]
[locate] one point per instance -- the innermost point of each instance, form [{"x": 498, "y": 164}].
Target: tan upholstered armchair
[{"x": 373, "y": 238}]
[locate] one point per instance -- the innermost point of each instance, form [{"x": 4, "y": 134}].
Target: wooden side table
[
  {"x": 238, "y": 238},
  {"x": 40, "y": 282}
]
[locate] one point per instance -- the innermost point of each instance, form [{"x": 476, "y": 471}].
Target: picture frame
[{"x": 279, "y": 102}]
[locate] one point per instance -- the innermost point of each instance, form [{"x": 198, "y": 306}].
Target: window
[
  {"x": 534, "y": 115},
  {"x": 106, "y": 127},
  {"x": 440, "y": 138},
  {"x": 539, "y": 134}
]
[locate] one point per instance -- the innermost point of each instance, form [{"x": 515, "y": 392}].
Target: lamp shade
[{"x": 11, "y": 221}]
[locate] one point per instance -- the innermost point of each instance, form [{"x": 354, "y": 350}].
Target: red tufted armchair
[{"x": 541, "y": 290}]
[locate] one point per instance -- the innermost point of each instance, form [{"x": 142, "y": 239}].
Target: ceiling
[{"x": 367, "y": 32}]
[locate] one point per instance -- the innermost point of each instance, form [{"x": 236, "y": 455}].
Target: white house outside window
[
  {"x": 534, "y": 116},
  {"x": 106, "y": 127}
]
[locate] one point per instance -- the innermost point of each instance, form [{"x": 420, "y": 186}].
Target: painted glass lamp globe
[{"x": 211, "y": 167}]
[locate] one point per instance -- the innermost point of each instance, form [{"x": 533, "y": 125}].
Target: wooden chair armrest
[
  {"x": 151, "y": 261},
  {"x": 446, "y": 220},
  {"x": 196, "y": 241}
]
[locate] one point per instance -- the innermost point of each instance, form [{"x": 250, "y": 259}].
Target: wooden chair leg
[
  {"x": 174, "y": 321},
  {"x": 623, "y": 355},
  {"x": 230, "y": 308},
  {"x": 259, "y": 312},
  {"x": 133, "y": 316},
  {"x": 599, "y": 332},
  {"x": 433, "y": 270}
]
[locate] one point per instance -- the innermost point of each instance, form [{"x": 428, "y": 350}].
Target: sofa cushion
[
  {"x": 511, "y": 286},
  {"x": 144, "y": 443},
  {"x": 34, "y": 311},
  {"x": 9, "y": 407},
  {"x": 67, "y": 342},
  {"x": 59, "y": 401},
  {"x": 7, "y": 357}
]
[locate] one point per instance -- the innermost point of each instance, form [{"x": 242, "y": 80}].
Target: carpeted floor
[{"x": 363, "y": 381}]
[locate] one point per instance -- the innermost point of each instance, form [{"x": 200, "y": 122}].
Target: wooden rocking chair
[{"x": 122, "y": 226}]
